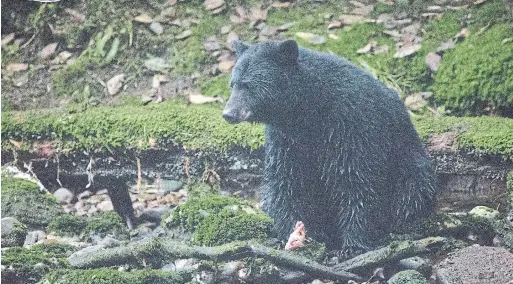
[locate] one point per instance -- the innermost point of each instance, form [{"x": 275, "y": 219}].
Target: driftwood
[
  {"x": 390, "y": 254},
  {"x": 167, "y": 248}
]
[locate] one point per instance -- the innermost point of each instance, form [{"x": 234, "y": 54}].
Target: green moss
[
  {"x": 217, "y": 87},
  {"x": 15, "y": 232},
  {"x": 21, "y": 261},
  {"x": 106, "y": 223},
  {"x": 408, "y": 277},
  {"x": 193, "y": 212},
  {"x": 382, "y": 8},
  {"x": 67, "y": 225},
  {"x": 490, "y": 135},
  {"x": 477, "y": 74},
  {"x": 24, "y": 201},
  {"x": 313, "y": 250},
  {"x": 131, "y": 127},
  {"x": 232, "y": 224},
  {"x": 106, "y": 275}
]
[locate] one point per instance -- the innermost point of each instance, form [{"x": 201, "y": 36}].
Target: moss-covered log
[{"x": 168, "y": 248}]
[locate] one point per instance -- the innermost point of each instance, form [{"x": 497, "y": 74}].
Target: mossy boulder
[
  {"x": 67, "y": 225},
  {"x": 106, "y": 275},
  {"x": 28, "y": 265},
  {"x": 13, "y": 232},
  {"x": 105, "y": 223},
  {"x": 478, "y": 74},
  {"x": 232, "y": 224},
  {"x": 24, "y": 201},
  {"x": 192, "y": 213},
  {"x": 313, "y": 250},
  {"x": 408, "y": 277}
]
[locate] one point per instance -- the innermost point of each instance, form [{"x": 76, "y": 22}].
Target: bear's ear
[
  {"x": 240, "y": 47},
  {"x": 288, "y": 50}
]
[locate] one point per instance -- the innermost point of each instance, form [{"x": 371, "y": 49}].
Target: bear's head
[{"x": 260, "y": 81}]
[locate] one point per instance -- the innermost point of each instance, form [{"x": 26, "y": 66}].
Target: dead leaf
[
  {"x": 211, "y": 44},
  {"x": 185, "y": 34},
  {"x": 236, "y": 19},
  {"x": 445, "y": 46},
  {"x": 144, "y": 18},
  {"x": 335, "y": 24},
  {"x": 230, "y": 39},
  {"x": 16, "y": 67},
  {"x": 281, "y": 4},
  {"x": 415, "y": 102},
  {"x": 195, "y": 97},
  {"x": 367, "y": 48},
  {"x": 16, "y": 144},
  {"x": 407, "y": 50},
  {"x": 433, "y": 61},
  {"x": 48, "y": 50},
  {"x": 241, "y": 12},
  {"x": 348, "y": 20},
  {"x": 213, "y": 4},
  {"x": 461, "y": 34},
  {"x": 311, "y": 38},
  {"x": 257, "y": 14},
  {"x": 286, "y": 26},
  {"x": 75, "y": 15},
  {"x": 226, "y": 66},
  {"x": 479, "y": 2}
]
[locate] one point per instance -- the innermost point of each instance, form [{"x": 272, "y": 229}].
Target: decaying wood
[
  {"x": 168, "y": 248},
  {"x": 390, "y": 254}
]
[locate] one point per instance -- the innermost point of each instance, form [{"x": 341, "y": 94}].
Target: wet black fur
[{"x": 341, "y": 152}]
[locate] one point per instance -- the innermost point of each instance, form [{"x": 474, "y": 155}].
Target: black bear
[{"x": 341, "y": 153}]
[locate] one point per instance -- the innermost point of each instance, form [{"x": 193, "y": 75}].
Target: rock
[
  {"x": 257, "y": 14},
  {"x": 34, "y": 237},
  {"x": 63, "y": 195},
  {"x": 156, "y": 27},
  {"x": 433, "y": 61},
  {"x": 213, "y": 4},
  {"x": 446, "y": 45},
  {"x": 109, "y": 242},
  {"x": 153, "y": 214},
  {"x": 484, "y": 212},
  {"x": 417, "y": 263},
  {"x": 311, "y": 38},
  {"x": 105, "y": 206},
  {"x": 185, "y": 34},
  {"x": 115, "y": 84},
  {"x": 48, "y": 50},
  {"x": 84, "y": 194},
  {"x": 348, "y": 20},
  {"x": 476, "y": 265},
  {"x": 157, "y": 64},
  {"x": 231, "y": 268},
  {"x": 268, "y": 31},
  {"x": 144, "y": 18},
  {"x": 13, "y": 232},
  {"x": 408, "y": 277},
  {"x": 16, "y": 67},
  {"x": 211, "y": 44},
  {"x": 181, "y": 264}
]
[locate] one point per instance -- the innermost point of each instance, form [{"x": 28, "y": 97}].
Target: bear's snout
[{"x": 234, "y": 116}]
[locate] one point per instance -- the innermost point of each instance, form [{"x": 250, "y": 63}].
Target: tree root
[
  {"x": 390, "y": 254},
  {"x": 166, "y": 248}
]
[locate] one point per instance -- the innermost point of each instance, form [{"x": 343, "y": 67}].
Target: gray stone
[
  {"x": 484, "y": 212},
  {"x": 156, "y": 27},
  {"x": 34, "y": 237},
  {"x": 63, "y": 195},
  {"x": 13, "y": 232},
  {"x": 417, "y": 263}
]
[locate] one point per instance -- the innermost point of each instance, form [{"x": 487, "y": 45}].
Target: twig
[{"x": 166, "y": 247}]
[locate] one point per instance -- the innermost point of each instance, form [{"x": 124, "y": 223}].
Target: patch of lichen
[
  {"x": 67, "y": 225},
  {"x": 24, "y": 264},
  {"x": 487, "y": 135},
  {"x": 106, "y": 275},
  {"x": 132, "y": 127},
  {"x": 478, "y": 74},
  {"x": 106, "y": 223},
  {"x": 232, "y": 224},
  {"x": 24, "y": 201},
  {"x": 192, "y": 213}
]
